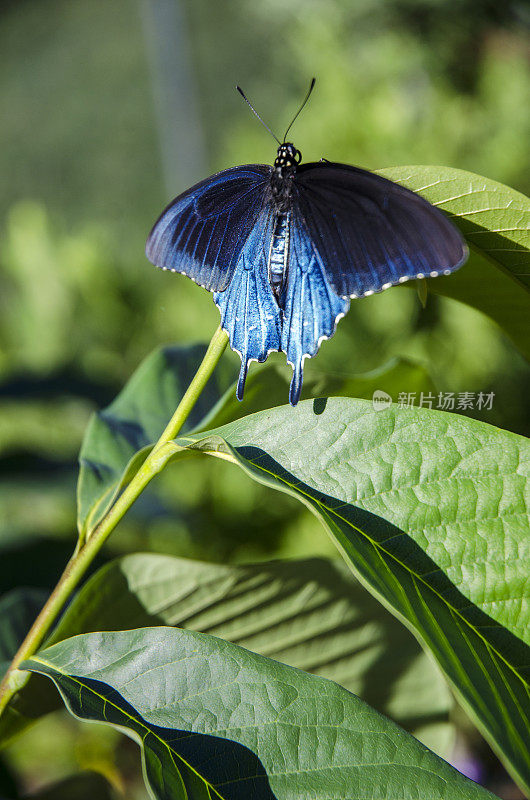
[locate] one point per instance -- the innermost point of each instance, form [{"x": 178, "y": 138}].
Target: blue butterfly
[{"x": 284, "y": 248}]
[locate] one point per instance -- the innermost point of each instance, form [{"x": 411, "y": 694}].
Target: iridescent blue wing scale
[
  {"x": 311, "y": 306},
  {"x": 202, "y": 232},
  {"x": 372, "y": 233},
  {"x": 249, "y": 312}
]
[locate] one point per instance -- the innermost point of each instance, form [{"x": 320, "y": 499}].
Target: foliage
[
  {"x": 421, "y": 471},
  {"x": 427, "y": 509}
]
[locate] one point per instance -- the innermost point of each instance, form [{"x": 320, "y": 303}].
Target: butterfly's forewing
[
  {"x": 249, "y": 313},
  {"x": 312, "y": 307},
  {"x": 202, "y": 232},
  {"x": 372, "y": 233}
]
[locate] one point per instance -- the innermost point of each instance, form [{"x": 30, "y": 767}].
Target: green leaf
[
  {"x": 311, "y": 614},
  {"x": 429, "y": 509},
  {"x": 116, "y": 437},
  {"x": 217, "y": 721},
  {"x": 495, "y": 220}
]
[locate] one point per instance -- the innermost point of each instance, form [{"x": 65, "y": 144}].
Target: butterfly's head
[{"x": 287, "y": 157}]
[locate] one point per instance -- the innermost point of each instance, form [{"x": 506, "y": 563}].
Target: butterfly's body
[
  {"x": 279, "y": 255},
  {"x": 284, "y": 248}
]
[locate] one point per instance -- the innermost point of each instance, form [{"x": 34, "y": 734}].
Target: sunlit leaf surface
[{"x": 217, "y": 721}]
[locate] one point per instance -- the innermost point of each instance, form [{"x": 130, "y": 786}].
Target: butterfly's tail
[
  {"x": 296, "y": 384},
  {"x": 242, "y": 378}
]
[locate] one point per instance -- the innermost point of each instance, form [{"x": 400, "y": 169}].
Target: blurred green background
[{"x": 112, "y": 108}]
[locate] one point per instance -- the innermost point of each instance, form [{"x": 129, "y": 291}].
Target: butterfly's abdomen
[{"x": 279, "y": 254}]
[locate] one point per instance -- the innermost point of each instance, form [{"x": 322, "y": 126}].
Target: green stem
[{"x": 85, "y": 554}]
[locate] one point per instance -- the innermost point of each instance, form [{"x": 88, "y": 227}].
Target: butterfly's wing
[
  {"x": 203, "y": 231},
  {"x": 249, "y": 312},
  {"x": 372, "y": 233},
  {"x": 311, "y": 307}
]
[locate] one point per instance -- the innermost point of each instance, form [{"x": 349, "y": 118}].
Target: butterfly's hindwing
[
  {"x": 372, "y": 233},
  {"x": 249, "y": 312},
  {"x": 311, "y": 306},
  {"x": 202, "y": 232}
]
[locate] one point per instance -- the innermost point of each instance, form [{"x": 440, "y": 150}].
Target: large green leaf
[
  {"x": 311, "y": 614},
  {"x": 429, "y": 509},
  {"x": 495, "y": 221},
  {"x": 119, "y": 436},
  {"x": 217, "y": 721}
]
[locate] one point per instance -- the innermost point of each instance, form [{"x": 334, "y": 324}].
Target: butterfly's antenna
[
  {"x": 301, "y": 107},
  {"x": 247, "y": 101}
]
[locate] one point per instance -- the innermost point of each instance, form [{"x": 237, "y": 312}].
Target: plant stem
[
  {"x": 215, "y": 350},
  {"x": 85, "y": 554}
]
